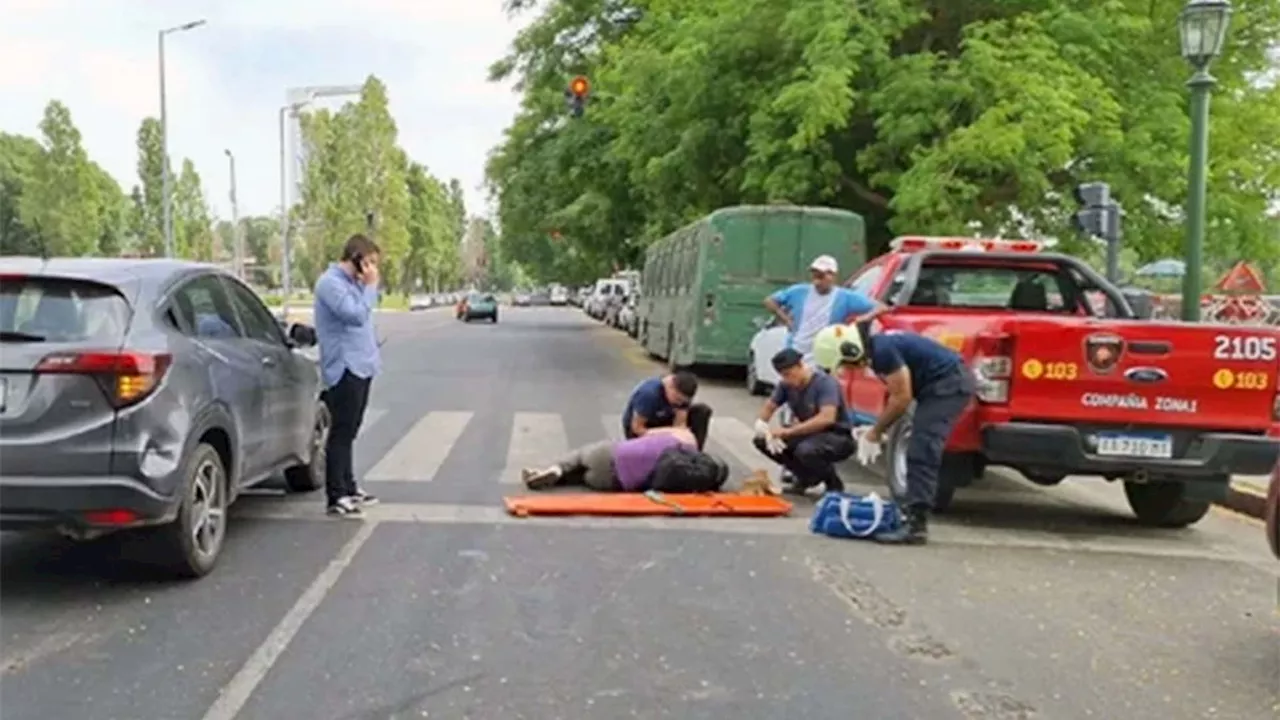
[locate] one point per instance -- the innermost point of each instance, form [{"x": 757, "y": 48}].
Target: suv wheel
[
  {"x": 310, "y": 476},
  {"x": 192, "y": 543},
  {"x": 957, "y": 469}
]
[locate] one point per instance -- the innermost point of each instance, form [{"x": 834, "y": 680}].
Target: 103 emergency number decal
[
  {"x": 1225, "y": 379},
  {"x": 1246, "y": 348}
]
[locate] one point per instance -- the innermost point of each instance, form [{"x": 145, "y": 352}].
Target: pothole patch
[
  {"x": 992, "y": 706},
  {"x": 921, "y": 647},
  {"x": 859, "y": 594}
]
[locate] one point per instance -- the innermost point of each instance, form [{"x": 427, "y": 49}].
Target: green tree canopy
[{"x": 923, "y": 116}]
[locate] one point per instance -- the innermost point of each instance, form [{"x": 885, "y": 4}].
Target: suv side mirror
[{"x": 301, "y": 335}]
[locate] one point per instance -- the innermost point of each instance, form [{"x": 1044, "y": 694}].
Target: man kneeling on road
[
  {"x": 820, "y": 437},
  {"x": 665, "y": 402},
  {"x": 915, "y": 369},
  {"x": 619, "y": 466}
]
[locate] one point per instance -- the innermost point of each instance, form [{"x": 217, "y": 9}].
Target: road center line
[{"x": 237, "y": 692}]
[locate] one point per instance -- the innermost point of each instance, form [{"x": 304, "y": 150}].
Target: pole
[
  {"x": 1200, "y": 83},
  {"x": 166, "y": 200},
  {"x": 237, "y": 246},
  {"x": 285, "y": 266}
]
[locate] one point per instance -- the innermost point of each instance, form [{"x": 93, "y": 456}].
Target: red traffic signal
[{"x": 579, "y": 86}]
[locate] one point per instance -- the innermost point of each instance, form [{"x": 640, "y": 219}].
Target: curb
[{"x": 1246, "y": 500}]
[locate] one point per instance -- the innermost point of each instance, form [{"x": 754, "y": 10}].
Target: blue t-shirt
[
  {"x": 927, "y": 360},
  {"x": 822, "y": 391},
  {"x": 649, "y": 399},
  {"x": 810, "y": 312}
]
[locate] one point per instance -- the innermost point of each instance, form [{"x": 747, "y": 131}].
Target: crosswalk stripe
[
  {"x": 736, "y": 438},
  {"x": 612, "y": 426},
  {"x": 537, "y": 439},
  {"x": 421, "y": 452}
]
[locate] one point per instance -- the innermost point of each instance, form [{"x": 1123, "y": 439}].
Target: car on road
[
  {"x": 522, "y": 300},
  {"x": 1172, "y": 410},
  {"x": 768, "y": 341},
  {"x": 1273, "y": 512},
  {"x": 420, "y": 302},
  {"x": 146, "y": 395},
  {"x": 627, "y": 316},
  {"x": 559, "y": 296},
  {"x": 479, "y": 306}
]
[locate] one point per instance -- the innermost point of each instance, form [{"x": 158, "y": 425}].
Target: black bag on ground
[{"x": 685, "y": 470}]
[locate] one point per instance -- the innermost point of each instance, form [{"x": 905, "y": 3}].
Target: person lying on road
[
  {"x": 821, "y": 435},
  {"x": 663, "y": 402},
  {"x": 916, "y": 369},
  {"x": 622, "y": 465}
]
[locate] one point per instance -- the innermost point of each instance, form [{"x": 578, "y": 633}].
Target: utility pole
[
  {"x": 237, "y": 241},
  {"x": 165, "y": 180}
]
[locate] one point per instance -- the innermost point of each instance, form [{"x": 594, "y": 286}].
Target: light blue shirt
[
  {"x": 810, "y": 311},
  {"x": 344, "y": 326}
]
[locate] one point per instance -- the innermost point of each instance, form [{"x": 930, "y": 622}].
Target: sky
[{"x": 227, "y": 80}]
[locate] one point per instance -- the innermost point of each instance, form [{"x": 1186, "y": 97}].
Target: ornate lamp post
[{"x": 1203, "y": 27}]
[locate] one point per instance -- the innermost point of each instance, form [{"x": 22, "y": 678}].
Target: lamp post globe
[{"x": 1202, "y": 26}]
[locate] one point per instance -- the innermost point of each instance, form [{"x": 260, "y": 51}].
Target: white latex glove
[
  {"x": 761, "y": 429},
  {"x": 868, "y": 452},
  {"x": 775, "y": 444}
]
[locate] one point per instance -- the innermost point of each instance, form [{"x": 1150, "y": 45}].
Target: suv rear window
[
  {"x": 44, "y": 309},
  {"x": 1032, "y": 289}
]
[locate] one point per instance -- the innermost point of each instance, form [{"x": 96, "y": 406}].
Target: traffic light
[
  {"x": 576, "y": 95},
  {"x": 1099, "y": 216}
]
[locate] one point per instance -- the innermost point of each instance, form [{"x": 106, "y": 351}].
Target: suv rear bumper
[
  {"x": 35, "y": 501},
  {"x": 1062, "y": 447}
]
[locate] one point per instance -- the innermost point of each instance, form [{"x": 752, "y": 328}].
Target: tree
[
  {"x": 18, "y": 158},
  {"x": 61, "y": 200},
  {"x": 112, "y": 212},
  {"x": 193, "y": 229},
  {"x": 922, "y": 116},
  {"x": 148, "y": 202}
]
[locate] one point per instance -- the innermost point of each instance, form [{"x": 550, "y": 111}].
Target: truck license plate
[{"x": 1143, "y": 446}]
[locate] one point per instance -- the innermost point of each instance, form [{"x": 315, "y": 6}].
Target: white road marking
[
  {"x": 237, "y": 692},
  {"x": 422, "y": 450},
  {"x": 946, "y": 535},
  {"x": 537, "y": 440},
  {"x": 735, "y": 437},
  {"x": 612, "y": 426}
]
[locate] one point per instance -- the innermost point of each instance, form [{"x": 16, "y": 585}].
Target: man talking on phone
[{"x": 345, "y": 297}]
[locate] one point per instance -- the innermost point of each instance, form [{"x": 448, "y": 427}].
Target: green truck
[{"x": 704, "y": 285}]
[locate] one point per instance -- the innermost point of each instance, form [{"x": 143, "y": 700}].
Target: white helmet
[{"x": 836, "y": 344}]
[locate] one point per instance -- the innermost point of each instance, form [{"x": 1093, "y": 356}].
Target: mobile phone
[{"x": 358, "y": 261}]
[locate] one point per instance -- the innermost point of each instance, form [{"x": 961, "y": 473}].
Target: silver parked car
[{"x": 146, "y": 394}]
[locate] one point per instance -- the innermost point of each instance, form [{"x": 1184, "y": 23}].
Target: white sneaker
[{"x": 346, "y": 507}]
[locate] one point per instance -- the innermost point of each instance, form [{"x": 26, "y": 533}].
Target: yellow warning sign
[
  {"x": 1032, "y": 369},
  {"x": 1224, "y": 379}
]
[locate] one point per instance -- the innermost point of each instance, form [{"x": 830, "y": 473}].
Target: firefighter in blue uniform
[{"x": 915, "y": 369}]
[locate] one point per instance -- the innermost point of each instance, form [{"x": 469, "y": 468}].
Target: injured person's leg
[{"x": 590, "y": 465}]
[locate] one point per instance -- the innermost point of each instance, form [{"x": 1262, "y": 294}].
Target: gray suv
[{"x": 147, "y": 394}]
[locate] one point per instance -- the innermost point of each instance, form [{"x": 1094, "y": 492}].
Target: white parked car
[
  {"x": 420, "y": 302},
  {"x": 606, "y": 292},
  {"x": 767, "y": 342}
]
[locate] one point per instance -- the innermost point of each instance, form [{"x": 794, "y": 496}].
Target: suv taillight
[
  {"x": 125, "y": 377},
  {"x": 992, "y": 367}
]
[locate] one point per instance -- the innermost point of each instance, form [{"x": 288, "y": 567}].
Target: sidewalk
[{"x": 1248, "y": 495}]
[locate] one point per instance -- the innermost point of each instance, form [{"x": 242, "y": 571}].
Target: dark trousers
[
  {"x": 346, "y": 402},
  {"x": 937, "y": 408},
  {"x": 812, "y": 458},
  {"x": 699, "y": 416}
]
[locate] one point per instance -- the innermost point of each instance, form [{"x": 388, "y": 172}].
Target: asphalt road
[{"x": 1028, "y": 604}]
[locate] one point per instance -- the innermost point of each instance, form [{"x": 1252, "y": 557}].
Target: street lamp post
[
  {"x": 165, "y": 181},
  {"x": 1203, "y": 29},
  {"x": 298, "y": 98},
  {"x": 237, "y": 248}
]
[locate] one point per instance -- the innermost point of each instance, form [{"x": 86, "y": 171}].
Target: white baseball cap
[{"x": 825, "y": 263}]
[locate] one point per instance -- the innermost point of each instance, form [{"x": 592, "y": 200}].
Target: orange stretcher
[{"x": 639, "y": 504}]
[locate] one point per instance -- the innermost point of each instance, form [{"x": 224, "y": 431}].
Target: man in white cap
[{"x": 806, "y": 308}]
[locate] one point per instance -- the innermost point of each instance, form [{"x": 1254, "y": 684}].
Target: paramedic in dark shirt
[
  {"x": 914, "y": 368},
  {"x": 820, "y": 435},
  {"x": 666, "y": 401}
]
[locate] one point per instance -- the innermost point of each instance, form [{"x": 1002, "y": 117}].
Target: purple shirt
[{"x": 633, "y": 460}]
